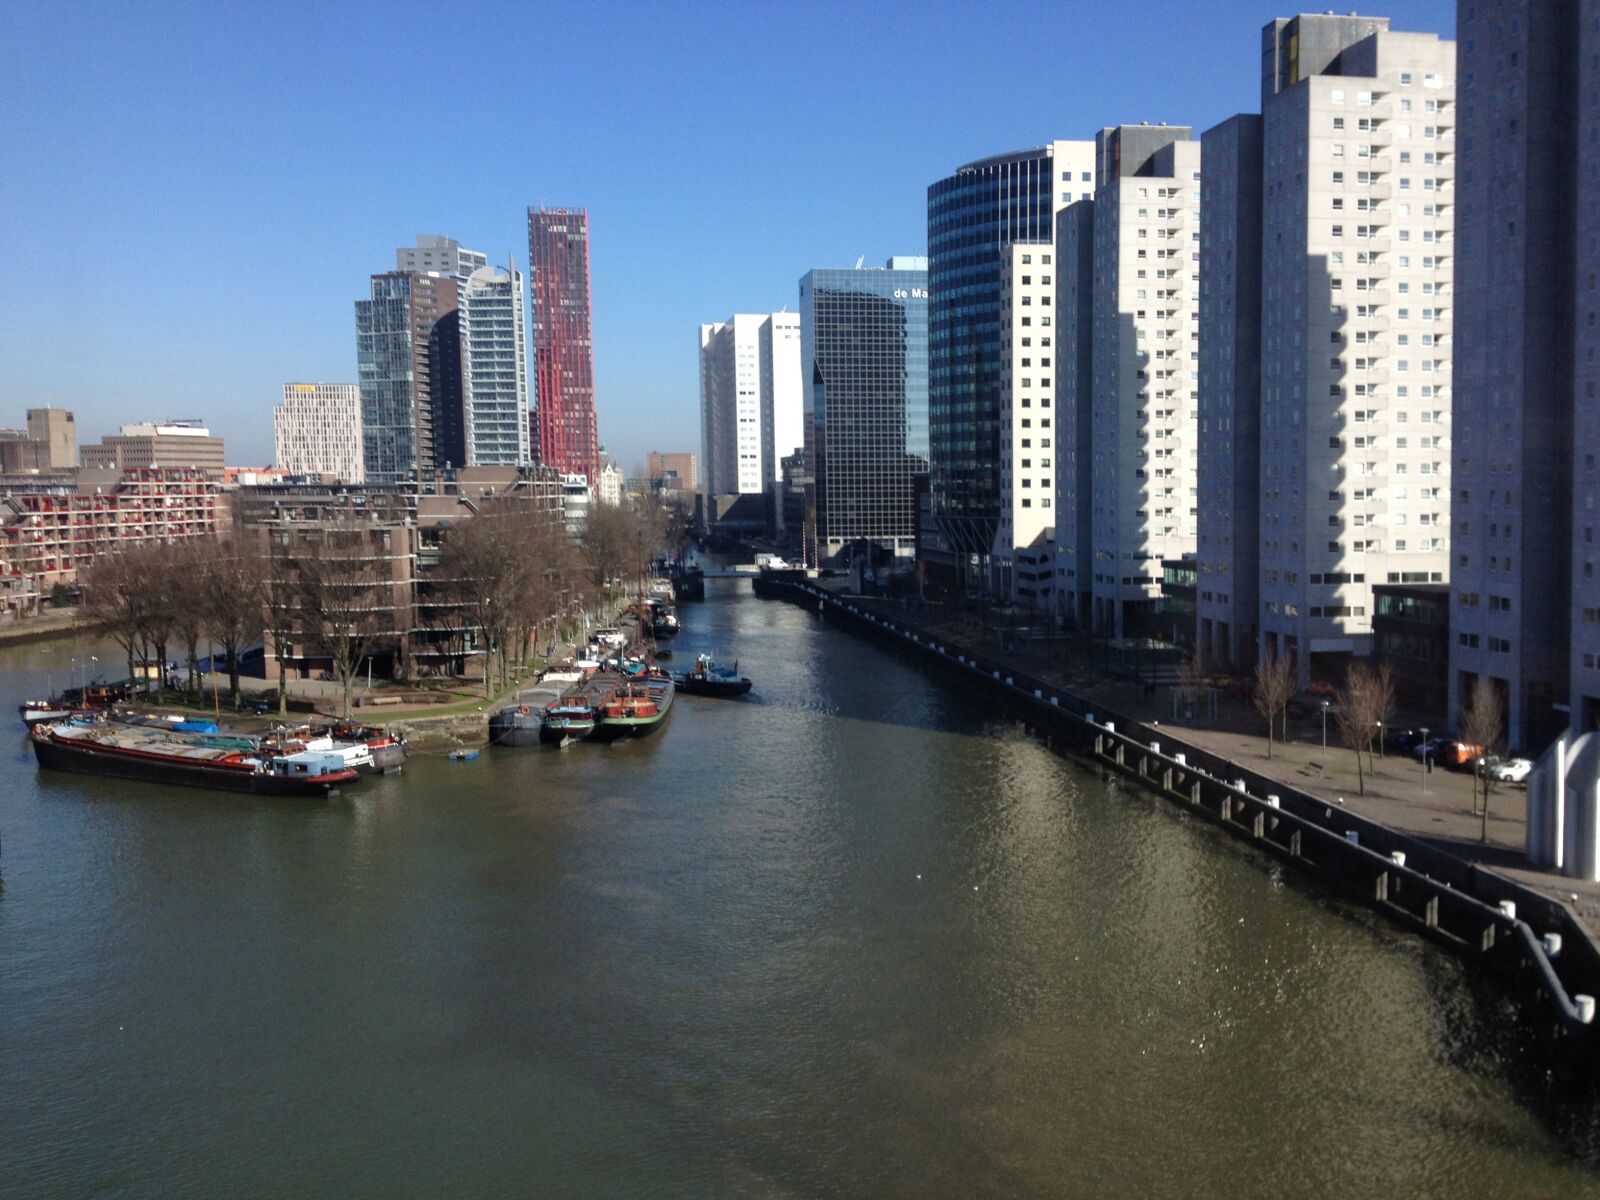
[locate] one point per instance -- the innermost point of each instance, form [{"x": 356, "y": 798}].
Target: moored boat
[
  {"x": 42, "y": 712},
  {"x": 121, "y": 751},
  {"x": 636, "y": 709},
  {"x": 517, "y": 725},
  {"x": 388, "y": 750},
  {"x": 570, "y": 719},
  {"x": 708, "y": 679}
]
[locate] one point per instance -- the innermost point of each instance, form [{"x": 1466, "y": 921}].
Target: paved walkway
[
  {"x": 51, "y": 623},
  {"x": 1438, "y": 809}
]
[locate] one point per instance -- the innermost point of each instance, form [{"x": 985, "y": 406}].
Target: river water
[{"x": 855, "y": 936}]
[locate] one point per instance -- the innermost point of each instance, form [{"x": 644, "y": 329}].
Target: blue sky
[{"x": 193, "y": 195}]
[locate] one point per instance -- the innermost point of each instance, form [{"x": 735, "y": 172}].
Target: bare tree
[
  {"x": 1192, "y": 679},
  {"x": 112, "y": 598},
  {"x": 1483, "y": 725},
  {"x": 233, "y": 586},
  {"x": 1274, "y": 686},
  {"x": 343, "y": 596},
  {"x": 1384, "y": 705},
  {"x": 1358, "y": 703}
]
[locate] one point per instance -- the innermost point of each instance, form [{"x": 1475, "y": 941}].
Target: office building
[
  {"x": 1228, "y": 528},
  {"x": 494, "y": 369},
  {"x": 1023, "y": 553},
  {"x": 408, "y": 358},
  {"x": 751, "y": 411},
  {"x": 1133, "y": 431},
  {"x": 685, "y": 467},
  {"x": 1526, "y": 498},
  {"x": 316, "y": 431},
  {"x": 864, "y": 370},
  {"x": 435, "y": 255},
  {"x": 609, "y": 490},
  {"x": 972, "y": 216},
  {"x": 56, "y": 432},
  {"x": 563, "y": 340},
  {"x": 1353, "y": 424},
  {"x": 158, "y": 444}
]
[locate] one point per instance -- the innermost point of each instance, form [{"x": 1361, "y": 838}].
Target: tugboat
[
  {"x": 664, "y": 621},
  {"x": 708, "y": 679},
  {"x": 636, "y": 709},
  {"x": 569, "y": 719},
  {"x": 129, "y": 752}
]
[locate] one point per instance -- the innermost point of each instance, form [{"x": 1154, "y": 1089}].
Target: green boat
[{"x": 637, "y": 708}]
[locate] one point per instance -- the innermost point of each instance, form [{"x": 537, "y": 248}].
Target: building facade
[
  {"x": 864, "y": 369},
  {"x": 160, "y": 444},
  {"x": 1525, "y": 610},
  {"x": 973, "y": 215},
  {"x": 435, "y": 255},
  {"x": 1358, "y": 212},
  {"x": 408, "y": 360},
  {"x": 316, "y": 431},
  {"x": 1025, "y": 534},
  {"x": 563, "y": 339},
  {"x": 1228, "y": 527},
  {"x": 751, "y": 413},
  {"x": 685, "y": 466},
  {"x": 494, "y": 369}
]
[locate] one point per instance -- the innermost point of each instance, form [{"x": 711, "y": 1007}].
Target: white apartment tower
[
  {"x": 1358, "y": 209},
  {"x": 494, "y": 369},
  {"x": 435, "y": 255},
  {"x": 751, "y": 415},
  {"x": 1129, "y": 382},
  {"x": 317, "y": 430}
]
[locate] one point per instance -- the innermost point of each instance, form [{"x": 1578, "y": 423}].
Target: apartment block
[
  {"x": 159, "y": 444},
  {"x": 494, "y": 369},
  {"x": 1229, "y": 435},
  {"x": 1074, "y": 556},
  {"x": 751, "y": 413},
  {"x": 1357, "y": 313},
  {"x": 437, "y": 255},
  {"x": 408, "y": 359},
  {"x": 1023, "y": 555},
  {"x": 316, "y": 431},
  {"x": 1525, "y": 611},
  {"x": 1132, "y": 376},
  {"x": 684, "y": 465},
  {"x": 562, "y": 325}
]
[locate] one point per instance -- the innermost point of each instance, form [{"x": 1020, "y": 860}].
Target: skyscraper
[
  {"x": 1136, "y": 441},
  {"x": 439, "y": 256},
  {"x": 750, "y": 400},
  {"x": 408, "y": 360},
  {"x": 973, "y": 215},
  {"x": 563, "y": 340},
  {"x": 864, "y": 364},
  {"x": 1525, "y": 611},
  {"x": 494, "y": 369}
]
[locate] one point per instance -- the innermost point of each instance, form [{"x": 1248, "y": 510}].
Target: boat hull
[
  {"x": 723, "y": 689},
  {"x": 554, "y": 733},
  {"x": 511, "y": 727},
  {"x": 82, "y": 759},
  {"x": 611, "y": 729}
]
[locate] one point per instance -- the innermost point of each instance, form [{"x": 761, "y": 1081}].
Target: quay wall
[{"x": 1537, "y": 945}]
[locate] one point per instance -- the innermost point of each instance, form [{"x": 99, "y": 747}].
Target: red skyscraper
[{"x": 563, "y": 344}]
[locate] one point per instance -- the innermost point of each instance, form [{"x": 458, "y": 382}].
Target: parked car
[
  {"x": 1321, "y": 689},
  {"x": 1400, "y": 739},
  {"x": 1458, "y": 756},
  {"x": 1511, "y": 770},
  {"x": 1219, "y": 681},
  {"x": 1428, "y": 749}
]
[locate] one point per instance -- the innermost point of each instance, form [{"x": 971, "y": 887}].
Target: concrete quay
[{"x": 1486, "y": 912}]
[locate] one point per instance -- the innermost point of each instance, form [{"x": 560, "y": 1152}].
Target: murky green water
[{"x": 852, "y": 937}]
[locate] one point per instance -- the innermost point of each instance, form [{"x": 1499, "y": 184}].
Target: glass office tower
[
  {"x": 972, "y": 217},
  {"x": 864, "y": 349}
]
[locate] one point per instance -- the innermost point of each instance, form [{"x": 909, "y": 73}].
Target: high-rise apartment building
[
  {"x": 751, "y": 411},
  {"x": 408, "y": 359},
  {"x": 973, "y": 215},
  {"x": 1356, "y": 315},
  {"x": 1525, "y": 611},
  {"x": 864, "y": 370},
  {"x": 563, "y": 340},
  {"x": 1134, "y": 430},
  {"x": 494, "y": 369},
  {"x": 1227, "y": 595},
  {"x": 685, "y": 466},
  {"x": 1023, "y": 554},
  {"x": 317, "y": 431}
]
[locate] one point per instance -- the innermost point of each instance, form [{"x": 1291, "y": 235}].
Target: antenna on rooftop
[{"x": 859, "y": 260}]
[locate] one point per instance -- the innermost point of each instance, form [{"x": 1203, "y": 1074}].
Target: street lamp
[
  {"x": 1324, "y": 734},
  {"x": 1380, "y": 739},
  {"x": 1424, "y": 758}
]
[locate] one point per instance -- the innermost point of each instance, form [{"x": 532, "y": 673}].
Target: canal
[{"x": 855, "y": 936}]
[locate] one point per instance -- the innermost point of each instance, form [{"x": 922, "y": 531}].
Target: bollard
[
  {"x": 1055, "y": 701},
  {"x": 1398, "y": 857},
  {"x": 1238, "y": 786},
  {"x": 1178, "y": 758},
  {"x": 1585, "y": 1006},
  {"x": 1089, "y": 717},
  {"x": 1155, "y": 747},
  {"x": 1552, "y": 945},
  {"x": 1010, "y": 682},
  {"x": 1274, "y": 802},
  {"x": 1111, "y": 726},
  {"x": 1509, "y": 907},
  {"x": 1037, "y": 694},
  {"x": 1352, "y": 837}
]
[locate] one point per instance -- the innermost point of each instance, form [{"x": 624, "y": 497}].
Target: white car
[{"x": 1511, "y": 770}]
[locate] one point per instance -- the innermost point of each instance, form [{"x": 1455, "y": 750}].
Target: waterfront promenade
[{"x": 1438, "y": 810}]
